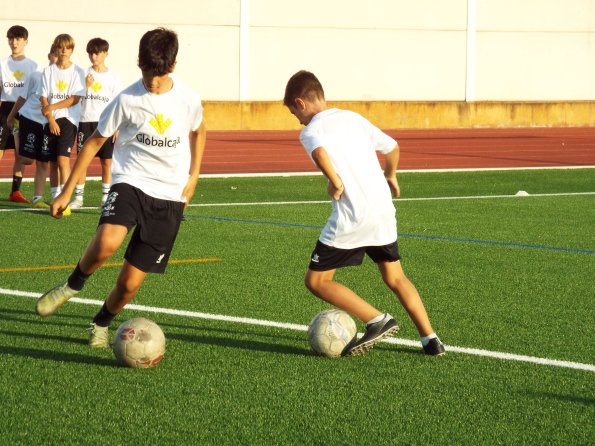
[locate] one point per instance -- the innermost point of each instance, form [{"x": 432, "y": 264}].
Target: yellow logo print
[
  {"x": 159, "y": 124},
  {"x": 18, "y": 75},
  {"x": 61, "y": 85},
  {"x": 96, "y": 87}
]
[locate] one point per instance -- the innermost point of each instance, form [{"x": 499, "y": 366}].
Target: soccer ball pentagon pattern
[
  {"x": 139, "y": 343},
  {"x": 330, "y": 331}
]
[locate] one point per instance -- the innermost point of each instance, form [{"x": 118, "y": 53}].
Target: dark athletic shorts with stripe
[
  {"x": 326, "y": 257},
  {"x": 157, "y": 223}
]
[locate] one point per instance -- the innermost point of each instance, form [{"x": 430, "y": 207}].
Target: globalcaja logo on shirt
[
  {"x": 61, "y": 86},
  {"x": 160, "y": 125},
  {"x": 18, "y": 75},
  {"x": 96, "y": 87}
]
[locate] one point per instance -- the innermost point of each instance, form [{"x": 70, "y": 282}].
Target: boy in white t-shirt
[
  {"x": 102, "y": 86},
  {"x": 33, "y": 146},
  {"x": 63, "y": 86},
  {"x": 343, "y": 145},
  {"x": 15, "y": 75},
  {"x": 155, "y": 169}
]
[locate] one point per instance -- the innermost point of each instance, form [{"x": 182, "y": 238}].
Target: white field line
[
  {"x": 285, "y": 203},
  {"x": 300, "y": 327}
]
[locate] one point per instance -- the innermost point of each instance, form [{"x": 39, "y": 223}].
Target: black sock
[
  {"x": 77, "y": 279},
  {"x": 16, "y": 183},
  {"x": 104, "y": 318}
]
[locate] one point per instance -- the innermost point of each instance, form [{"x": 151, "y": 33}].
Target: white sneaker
[
  {"x": 98, "y": 336},
  {"x": 103, "y": 199},
  {"x": 76, "y": 204}
]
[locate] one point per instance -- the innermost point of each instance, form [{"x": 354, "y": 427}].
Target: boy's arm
[
  {"x": 13, "y": 113},
  {"x": 198, "y": 139},
  {"x": 84, "y": 158},
  {"x": 52, "y": 124},
  {"x": 391, "y": 161},
  {"x": 64, "y": 103},
  {"x": 335, "y": 185}
]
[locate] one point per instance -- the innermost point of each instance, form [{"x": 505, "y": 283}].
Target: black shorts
[
  {"x": 34, "y": 143},
  {"x": 61, "y": 145},
  {"x": 6, "y": 136},
  {"x": 157, "y": 223},
  {"x": 86, "y": 129},
  {"x": 326, "y": 257}
]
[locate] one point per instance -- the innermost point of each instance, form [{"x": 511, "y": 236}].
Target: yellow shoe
[
  {"x": 98, "y": 336},
  {"x": 40, "y": 204},
  {"x": 54, "y": 299}
]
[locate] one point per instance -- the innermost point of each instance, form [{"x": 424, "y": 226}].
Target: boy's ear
[
  {"x": 299, "y": 103},
  {"x": 173, "y": 67}
]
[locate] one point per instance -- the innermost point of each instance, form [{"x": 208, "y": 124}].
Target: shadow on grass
[
  {"x": 564, "y": 398},
  {"x": 80, "y": 341},
  {"x": 53, "y": 355},
  {"x": 242, "y": 344}
]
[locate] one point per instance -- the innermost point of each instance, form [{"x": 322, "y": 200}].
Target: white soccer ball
[
  {"x": 139, "y": 343},
  {"x": 330, "y": 331}
]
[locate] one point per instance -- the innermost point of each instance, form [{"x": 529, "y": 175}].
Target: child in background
[
  {"x": 63, "y": 85},
  {"x": 102, "y": 87},
  {"x": 15, "y": 75},
  {"x": 343, "y": 145},
  {"x": 33, "y": 144}
]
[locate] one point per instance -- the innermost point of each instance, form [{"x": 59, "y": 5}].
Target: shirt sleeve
[
  {"x": 111, "y": 117},
  {"x": 381, "y": 141},
  {"x": 311, "y": 140}
]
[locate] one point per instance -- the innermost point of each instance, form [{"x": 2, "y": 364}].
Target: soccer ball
[
  {"x": 139, "y": 343},
  {"x": 330, "y": 331}
]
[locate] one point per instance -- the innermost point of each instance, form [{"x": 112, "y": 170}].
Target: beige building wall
[{"x": 402, "y": 63}]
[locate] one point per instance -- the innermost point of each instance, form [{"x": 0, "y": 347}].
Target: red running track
[{"x": 233, "y": 152}]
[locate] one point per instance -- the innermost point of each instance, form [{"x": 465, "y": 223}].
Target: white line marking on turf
[
  {"x": 301, "y": 327},
  {"x": 397, "y": 200}
]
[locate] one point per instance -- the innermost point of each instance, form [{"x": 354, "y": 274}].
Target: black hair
[{"x": 157, "y": 52}]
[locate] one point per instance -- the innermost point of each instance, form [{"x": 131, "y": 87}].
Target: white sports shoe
[{"x": 76, "y": 204}]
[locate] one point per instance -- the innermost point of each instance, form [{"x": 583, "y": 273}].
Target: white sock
[
  {"x": 105, "y": 188},
  {"x": 425, "y": 340},
  {"x": 79, "y": 192},
  {"x": 377, "y": 318},
  {"x": 55, "y": 191}
]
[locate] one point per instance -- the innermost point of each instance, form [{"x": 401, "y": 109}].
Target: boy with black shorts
[
  {"x": 63, "y": 85},
  {"x": 102, "y": 86},
  {"x": 15, "y": 74},
  {"x": 33, "y": 142},
  {"x": 343, "y": 146},
  {"x": 155, "y": 170}
]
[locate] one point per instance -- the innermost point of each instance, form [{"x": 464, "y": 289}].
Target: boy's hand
[
  {"x": 393, "y": 184},
  {"x": 335, "y": 192},
  {"x": 188, "y": 191},
  {"x": 54, "y": 127},
  {"x": 58, "y": 205}
]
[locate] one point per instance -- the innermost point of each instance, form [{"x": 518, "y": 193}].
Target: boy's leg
[
  {"x": 322, "y": 285},
  {"x": 394, "y": 277},
  {"x": 41, "y": 173},
  {"x": 378, "y": 325},
  {"x": 107, "y": 240},
  {"x": 106, "y": 178},
  {"x": 129, "y": 281}
]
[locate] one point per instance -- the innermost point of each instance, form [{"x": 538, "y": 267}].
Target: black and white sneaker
[
  {"x": 434, "y": 348},
  {"x": 374, "y": 333}
]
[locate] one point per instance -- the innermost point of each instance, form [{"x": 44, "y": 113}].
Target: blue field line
[{"x": 428, "y": 237}]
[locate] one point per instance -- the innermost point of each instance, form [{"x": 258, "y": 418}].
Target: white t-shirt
[
  {"x": 31, "y": 109},
  {"x": 105, "y": 88},
  {"x": 152, "y": 151},
  {"x": 14, "y": 77},
  {"x": 58, "y": 85},
  {"x": 365, "y": 214}
]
